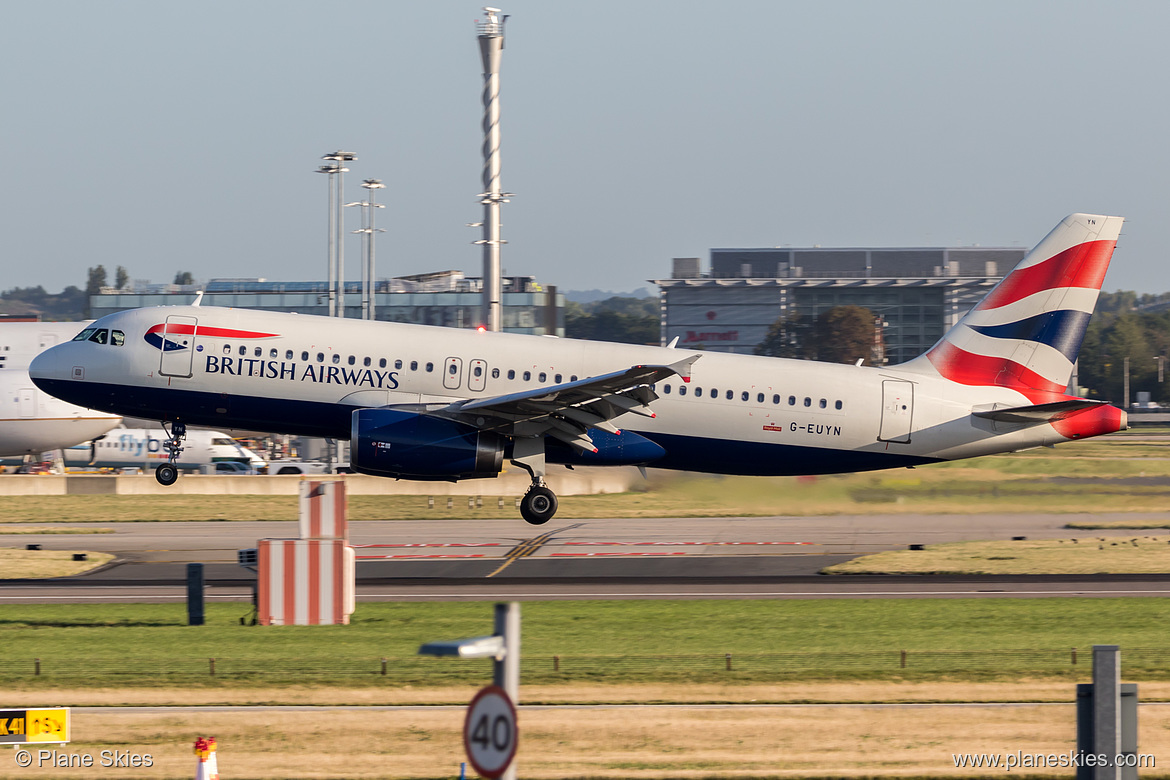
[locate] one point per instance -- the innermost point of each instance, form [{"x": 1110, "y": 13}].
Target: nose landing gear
[{"x": 168, "y": 473}]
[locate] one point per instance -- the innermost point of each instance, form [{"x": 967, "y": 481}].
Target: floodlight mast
[
  {"x": 337, "y": 173},
  {"x": 491, "y": 46},
  {"x": 369, "y": 307}
]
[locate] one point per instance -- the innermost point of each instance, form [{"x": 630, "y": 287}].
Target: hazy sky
[{"x": 168, "y": 136}]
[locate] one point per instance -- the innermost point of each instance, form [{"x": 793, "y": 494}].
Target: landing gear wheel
[
  {"x": 538, "y": 505},
  {"x": 166, "y": 474}
]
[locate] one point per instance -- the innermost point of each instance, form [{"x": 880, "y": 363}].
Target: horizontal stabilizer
[{"x": 1040, "y": 413}]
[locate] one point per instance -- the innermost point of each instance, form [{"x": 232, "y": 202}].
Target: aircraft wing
[
  {"x": 1040, "y": 413},
  {"x": 568, "y": 411}
]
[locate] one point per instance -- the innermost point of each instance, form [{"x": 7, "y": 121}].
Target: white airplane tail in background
[{"x": 1027, "y": 332}]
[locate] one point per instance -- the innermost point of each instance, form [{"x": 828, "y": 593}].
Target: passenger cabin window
[
  {"x": 381, "y": 362},
  {"x": 824, "y": 403},
  {"x": 573, "y": 378},
  {"x": 714, "y": 393},
  {"x": 792, "y": 400},
  {"x": 543, "y": 377},
  {"x": 807, "y": 401},
  {"x": 682, "y": 389},
  {"x": 511, "y": 373},
  {"x": 743, "y": 396},
  {"x": 775, "y": 399},
  {"x": 730, "y": 394},
  {"x": 453, "y": 369},
  {"x": 336, "y": 358},
  {"x": 227, "y": 349},
  {"x": 288, "y": 354},
  {"x": 495, "y": 373},
  {"x": 414, "y": 365},
  {"x": 838, "y": 404},
  {"x": 698, "y": 392},
  {"x": 557, "y": 379},
  {"x": 398, "y": 364},
  {"x": 527, "y": 376},
  {"x": 366, "y": 362},
  {"x": 304, "y": 356},
  {"x": 351, "y": 360},
  {"x": 243, "y": 350},
  {"x": 430, "y": 367},
  {"x": 320, "y": 357},
  {"x": 259, "y": 352},
  {"x": 759, "y": 398},
  {"x": 478, "y": 371},
  {"x": 666, "y": 389}
]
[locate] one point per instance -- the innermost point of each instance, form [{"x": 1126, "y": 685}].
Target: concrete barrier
[{"x": 580, "y": 481}]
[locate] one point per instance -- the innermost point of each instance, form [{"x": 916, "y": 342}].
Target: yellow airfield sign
[{"x": 22, "y": 727}]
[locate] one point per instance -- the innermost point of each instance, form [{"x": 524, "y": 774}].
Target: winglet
[
  {"x": 683, "y": 367},
  {"x": 198, "y": 298}
]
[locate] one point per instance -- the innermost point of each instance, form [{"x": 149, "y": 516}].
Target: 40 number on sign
[{"x": 489, "y": 732}]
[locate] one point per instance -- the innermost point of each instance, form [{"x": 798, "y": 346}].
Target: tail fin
[{"x": 1028, "y": 330}]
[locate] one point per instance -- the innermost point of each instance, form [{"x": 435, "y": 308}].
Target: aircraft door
[
  {"x": 178, "y": 346},
  {"x": 453, "y": 373},
  {"x": 477, "y": 375},
  {"x": 897, "y": 411},
  {"x": 28, "y": 402}
]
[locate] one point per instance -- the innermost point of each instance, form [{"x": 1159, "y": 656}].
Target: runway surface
[{"x": 473, "y": 559}]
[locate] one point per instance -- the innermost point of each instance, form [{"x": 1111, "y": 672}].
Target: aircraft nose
[{"x": 49, "y": 366}]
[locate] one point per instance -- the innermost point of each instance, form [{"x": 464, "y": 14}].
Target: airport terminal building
[
  {"x": 917, "y": 292},
  {"x": 446, "y": 298}
]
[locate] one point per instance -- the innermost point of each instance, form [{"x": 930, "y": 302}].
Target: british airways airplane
[{"x": 430, "y": 403}]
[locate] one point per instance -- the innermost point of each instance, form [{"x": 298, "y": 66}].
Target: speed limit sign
[{"x": 489, "y": 732}]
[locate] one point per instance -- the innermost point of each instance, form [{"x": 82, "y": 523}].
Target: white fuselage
[
  {"x": 143, "y": 448},
  {"x": 32, "y": 421},
  {"x": 299, "y": 374}
]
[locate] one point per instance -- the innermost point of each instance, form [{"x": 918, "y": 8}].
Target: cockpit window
[
  {"x": 85, "y": 334},
  {"x": 100, "y": 336},
  {"x": 117, "y": 338}
]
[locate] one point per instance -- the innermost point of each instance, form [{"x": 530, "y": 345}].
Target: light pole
[
  {"x": 491, "y": 46},
  {"x": 336, "y": 229},
  {"x": 369, "y": 308}
]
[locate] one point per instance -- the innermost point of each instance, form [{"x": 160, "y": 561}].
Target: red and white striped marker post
[
  {"x": 206, "y": 768},
  {"x": 305, "y": 582},
  {"x": 323, "y": 508}
]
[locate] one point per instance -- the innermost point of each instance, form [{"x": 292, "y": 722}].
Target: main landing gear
[
  {"x": 539, "y": 504},
  {"x": 168, "y": 473}
]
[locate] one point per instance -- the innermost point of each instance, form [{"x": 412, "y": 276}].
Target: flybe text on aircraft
[{"x": 420, "y": 402}]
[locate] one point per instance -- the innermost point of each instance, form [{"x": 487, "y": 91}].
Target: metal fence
[{"x": 551, "y": 668}]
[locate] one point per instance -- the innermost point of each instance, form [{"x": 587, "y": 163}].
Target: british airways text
[{"x": 279, "y": 369}]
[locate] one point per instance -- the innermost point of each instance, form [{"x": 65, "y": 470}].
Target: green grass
[
  {"x": 1082, "y": 555},
  {"x": 603, "y": 641}
]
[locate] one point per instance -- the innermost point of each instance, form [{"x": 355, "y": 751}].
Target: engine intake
[{"x": 394, "y": 443}]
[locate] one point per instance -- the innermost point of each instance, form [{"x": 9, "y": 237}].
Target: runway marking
[
  {"x": 607, "y": 554},
  {"x": 419, "y": 556},
  {"x": 436, "y": 544},
  {"x": 530, "y": 546},
  {"x": 679, "y": 544}
]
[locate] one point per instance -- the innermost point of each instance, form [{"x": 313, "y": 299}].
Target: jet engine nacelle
[{"x": 395, "y": 443}]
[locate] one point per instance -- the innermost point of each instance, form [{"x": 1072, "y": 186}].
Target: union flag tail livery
[
  {"x": 429, "y": 403},
  {"x": 1028, "y": 330}
]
